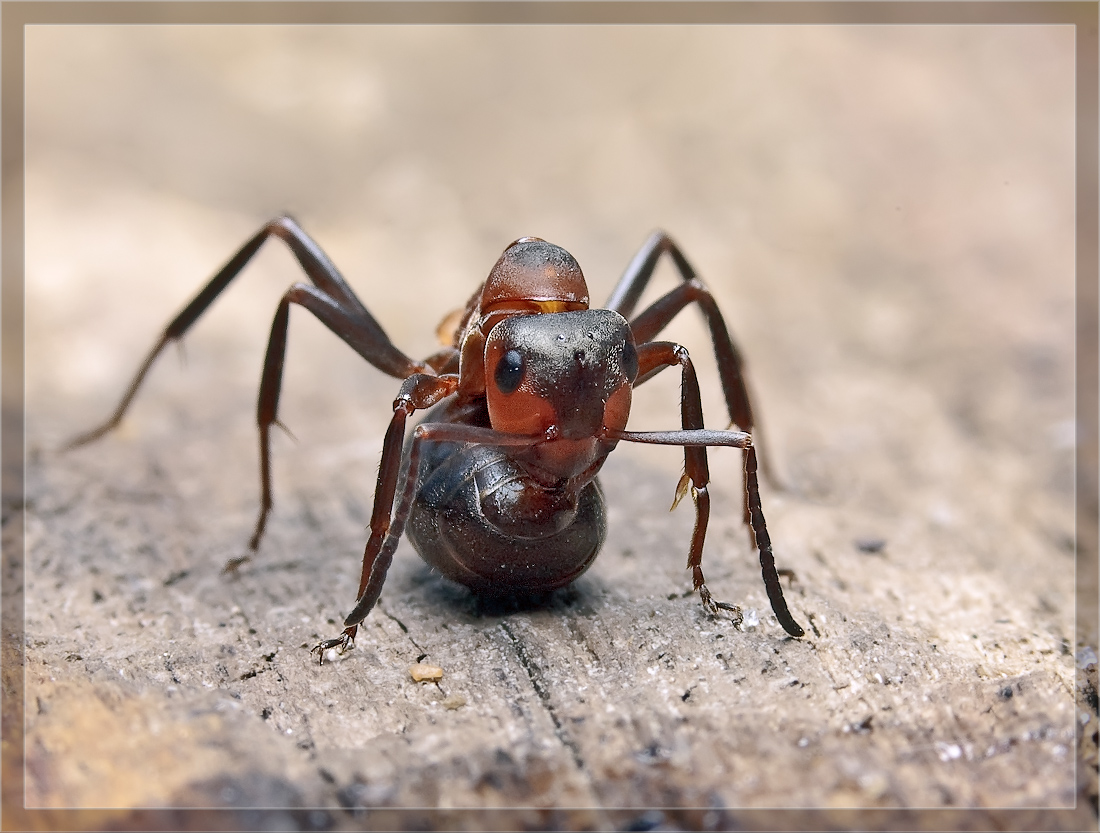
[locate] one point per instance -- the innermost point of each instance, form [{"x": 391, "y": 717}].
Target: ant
[{"x": 497, "y": 487}]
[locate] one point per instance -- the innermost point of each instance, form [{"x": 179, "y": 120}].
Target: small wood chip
[
  {"x": 426, "y": 673},
  {"x": 454, "y": 701}
]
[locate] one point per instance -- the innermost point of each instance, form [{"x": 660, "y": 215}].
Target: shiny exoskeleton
[{"x": 497, "y": 487}]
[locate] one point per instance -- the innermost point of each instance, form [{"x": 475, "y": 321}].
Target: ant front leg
[
  {"x": 655, "y": 318},
  {"x": 417, "y": 392},
  {"x": 653, "y": 357}
]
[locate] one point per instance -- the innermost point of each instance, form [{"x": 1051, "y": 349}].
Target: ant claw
[
  {"x": 232, "y": 564},
  {"x": 343, "y": 643},
  {"x": 712, "y": 607}
]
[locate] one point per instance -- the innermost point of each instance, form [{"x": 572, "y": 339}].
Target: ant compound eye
[
  {"x": 509, "y": 372},
  {"x": 630, "y": 360}
]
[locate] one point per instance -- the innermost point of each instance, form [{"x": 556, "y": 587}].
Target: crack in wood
[{"x": 538, "y": 682}]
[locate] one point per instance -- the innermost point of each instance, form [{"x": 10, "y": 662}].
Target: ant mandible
[{"x": 498, "y": 486}]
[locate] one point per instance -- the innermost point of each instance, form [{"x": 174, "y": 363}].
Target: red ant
[{"x": 498, "y": 486}]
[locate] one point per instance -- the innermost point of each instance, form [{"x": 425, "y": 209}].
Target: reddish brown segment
[{"x": 532, "y": 270}]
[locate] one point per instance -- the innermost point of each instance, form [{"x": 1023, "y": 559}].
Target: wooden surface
[{"x": 886, "y": 219}]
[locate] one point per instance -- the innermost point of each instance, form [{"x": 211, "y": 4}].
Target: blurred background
[
  {"x": 885, "y": 215},
  {"x": 899, "y": 195}
]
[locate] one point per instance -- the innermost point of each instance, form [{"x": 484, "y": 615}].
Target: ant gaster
[{"x": 497, "y": 486}]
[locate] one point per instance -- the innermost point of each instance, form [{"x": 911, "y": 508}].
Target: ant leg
[
  {"x": 653, "y": 357},
  {"x": 624, "y": 297},
  {"x": 417, "y": 392},
  {"x": 320, "y": 270},
  {"x": 730, "y": 366},
  {"x": 657, "y": 316},
  {"x": 764, "y": 544},
  {"x": 348, "y": 325}
]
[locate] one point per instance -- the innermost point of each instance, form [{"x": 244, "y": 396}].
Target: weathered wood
[{"x": 917, "y": 404}]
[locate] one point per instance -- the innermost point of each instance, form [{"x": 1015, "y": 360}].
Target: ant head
[
  {"x": 569, "y": 373},
  {"x": 533, "y": 276}
]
